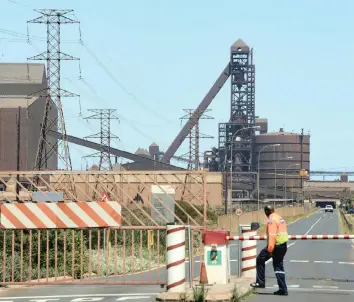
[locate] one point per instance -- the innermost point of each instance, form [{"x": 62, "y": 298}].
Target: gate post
[
  {"x": 248, "y": 252},
  {"x": 176, "y": 258}
]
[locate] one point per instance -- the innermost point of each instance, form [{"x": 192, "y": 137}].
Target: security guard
[{"x": 277, "y": 238}]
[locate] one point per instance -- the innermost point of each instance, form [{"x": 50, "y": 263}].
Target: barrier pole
[
  {"x": 251, "y": 237},
  {"x": 176, "y": 258},
  {"x": 248, "y": 253},
  {"x": 191, "y": 256}
]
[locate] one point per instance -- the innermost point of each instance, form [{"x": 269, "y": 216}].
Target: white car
[{"x": 329, "y": 208}]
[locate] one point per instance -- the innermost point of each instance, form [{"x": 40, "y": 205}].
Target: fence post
[
  {"x": 176, "y": 258},
  {"x": 248, "y": 252}
]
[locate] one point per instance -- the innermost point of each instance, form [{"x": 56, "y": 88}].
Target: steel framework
[
  {"x": 235, "y": 136},
  {"x": 53, "y": 19},
  {"x": 105, "y": 116},
  {"x": 194, "y": 136},
  {"x": 242, "y": 111}
]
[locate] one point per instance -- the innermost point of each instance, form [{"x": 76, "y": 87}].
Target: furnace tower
[{"x": 235, "y": 136}]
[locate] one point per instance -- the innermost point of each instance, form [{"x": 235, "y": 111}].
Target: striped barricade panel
[{"x": 71, "y": 215}]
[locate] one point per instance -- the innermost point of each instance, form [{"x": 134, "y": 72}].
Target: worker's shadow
[{"x": 265, "y": 294}]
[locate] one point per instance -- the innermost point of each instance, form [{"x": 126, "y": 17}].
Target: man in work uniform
[{"x": 277, "y": 238}]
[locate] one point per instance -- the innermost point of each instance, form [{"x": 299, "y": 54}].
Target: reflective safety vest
[{"x": 277, "y": 232}]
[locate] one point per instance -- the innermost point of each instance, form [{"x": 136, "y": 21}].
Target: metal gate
[{"x": 36, "y": 249}]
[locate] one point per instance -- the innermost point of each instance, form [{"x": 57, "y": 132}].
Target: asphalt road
[{"x": 316, "y": 270}]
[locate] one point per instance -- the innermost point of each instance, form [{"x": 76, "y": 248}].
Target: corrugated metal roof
[
  {"x": 22, "y": 73},
  {"x": 22, "y": 102}
]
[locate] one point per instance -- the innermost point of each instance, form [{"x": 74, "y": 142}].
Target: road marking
[
  {"x": 86, "y": 299},
  {"x": 314, "y": 225},
  {"x": 133, "y": 298},
  {"x": 334, "y": 290},
  {"x": 323, "y": 261},
  {"x": 325, "y": 286},
  {"x": 351, "y": 263},
  {"x": 46, "y": 300},
  {"x": 300, "y": 261},
  {"x": 289, "y": 286},
  {"x": 3, "y": 299}
]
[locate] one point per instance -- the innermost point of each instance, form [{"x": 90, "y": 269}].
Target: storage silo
[{"x": 287, "y": 159}]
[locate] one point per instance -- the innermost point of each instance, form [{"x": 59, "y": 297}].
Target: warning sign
[
  {"x": 238, "y": 212},
  {"x": 104, "y": 197}
]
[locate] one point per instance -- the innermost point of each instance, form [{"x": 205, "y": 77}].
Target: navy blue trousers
[{"x": 278, "y": 265}]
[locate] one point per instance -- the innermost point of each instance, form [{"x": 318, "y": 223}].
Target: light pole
[
  {"x": 232, "y": 144},
  {"x": 258, "y": 174},
  {"x": 292, "y": 165},
  {"x": 275, "y": 177}
]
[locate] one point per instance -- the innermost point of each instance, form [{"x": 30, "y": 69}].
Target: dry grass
[{"x": 344, "y": 227}]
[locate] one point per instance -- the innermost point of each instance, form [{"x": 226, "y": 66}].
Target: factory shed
[{"x": 22, "y": 90}]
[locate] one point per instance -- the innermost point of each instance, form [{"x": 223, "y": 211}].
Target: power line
[
  {"x": 119, "y": 84},
  {"x": 98, "y": 61}
]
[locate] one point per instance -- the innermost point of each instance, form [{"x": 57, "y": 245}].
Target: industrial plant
[{"x": 254, "y": 164}]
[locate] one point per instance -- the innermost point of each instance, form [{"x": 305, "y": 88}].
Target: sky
[{"x": 149, "y": 60}]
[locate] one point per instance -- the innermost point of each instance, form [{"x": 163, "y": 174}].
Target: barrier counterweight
[
  {"x": 292, "y": 237},
  {"x": 248, "y": 253},
  {"x": 176, "y": 254}
]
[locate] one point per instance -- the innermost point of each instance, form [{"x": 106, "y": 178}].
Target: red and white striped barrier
[
  {"x": 248, "y": 253},
  {"x": 176, "y": 254},
  {"x": 66, "y": 215},
  {"x": 294, "y": 237}
]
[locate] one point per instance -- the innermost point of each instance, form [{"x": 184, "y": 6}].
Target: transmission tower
[
  {"x": 194, "y": 136},
  {"x": 53, "y": 19},
  {"x": 105, "y": 116}
]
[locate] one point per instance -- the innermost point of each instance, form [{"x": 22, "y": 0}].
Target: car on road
[{"x": 329, "y": 208}]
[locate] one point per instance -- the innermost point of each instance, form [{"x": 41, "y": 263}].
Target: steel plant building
[{"x": 17, "y": 82}]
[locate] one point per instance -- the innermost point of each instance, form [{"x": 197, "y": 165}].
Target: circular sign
[{"x": 238, "y": 212}]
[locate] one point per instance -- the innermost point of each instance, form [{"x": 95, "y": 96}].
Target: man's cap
[{"x": 268, "y": 208}]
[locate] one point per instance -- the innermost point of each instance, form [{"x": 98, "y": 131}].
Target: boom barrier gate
[{"x": 247, "y": 250}]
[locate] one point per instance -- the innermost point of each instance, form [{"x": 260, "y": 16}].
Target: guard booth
[{"x": 216, "y": 256}]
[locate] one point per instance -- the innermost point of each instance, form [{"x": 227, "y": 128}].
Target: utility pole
[
  {"x": 105, "y": 116},
  {"x": 53, "y": 118},
  {"x": 194, "y": 136},
  {"x": 18, "y": 152}
]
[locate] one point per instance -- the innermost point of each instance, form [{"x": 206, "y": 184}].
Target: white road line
[
  {"x": 319, "y": 290},
  {"x": 351, "y": 263},
  {"x": 325, "y": 286},
  {"x": 78, "y": 296},
  {"x": 323, "y": 261},
  {"x": 314, "y": 225},
  {"x": 132, "y": 298},
  {"x": 300, "y": 261},
  {"x": 289, "y": 286}
]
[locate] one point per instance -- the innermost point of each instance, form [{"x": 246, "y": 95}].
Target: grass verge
[{"x": 343, "y": 223}]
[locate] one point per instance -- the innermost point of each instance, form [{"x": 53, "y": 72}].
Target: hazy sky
[{"x": 165, "y": 55}]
